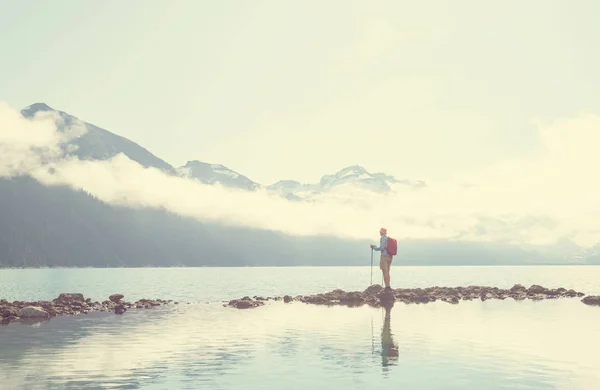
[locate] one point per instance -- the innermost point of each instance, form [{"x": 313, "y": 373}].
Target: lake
[{"x": 495, "y": 344}]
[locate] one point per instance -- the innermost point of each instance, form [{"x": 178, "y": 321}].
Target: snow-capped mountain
[
  {"x": 100, "y": 144},
  {"x": 216, "y": 173},
  {"x": 97, "y": 143},
  {"x": 350, "y": 178}
]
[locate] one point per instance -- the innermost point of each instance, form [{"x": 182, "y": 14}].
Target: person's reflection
[{"x": 389, "y": 348}]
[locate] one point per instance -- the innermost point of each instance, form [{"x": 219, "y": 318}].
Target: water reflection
[
  {"x": 389, "y": 347},
  {"x": 492, "y": 345}
]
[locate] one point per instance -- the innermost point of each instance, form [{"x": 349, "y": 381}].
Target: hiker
[{"x": 386, "y": 258}]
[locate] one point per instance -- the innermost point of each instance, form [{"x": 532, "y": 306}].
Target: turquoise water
[{"x": 549, "y": 344}]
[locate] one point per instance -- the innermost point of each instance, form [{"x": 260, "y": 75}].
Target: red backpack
[{"x": 392, "y": 246}]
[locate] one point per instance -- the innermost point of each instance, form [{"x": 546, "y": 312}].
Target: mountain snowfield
[
  {"x": 216, "y": 173},
  {"x": 373, "y": 194}
]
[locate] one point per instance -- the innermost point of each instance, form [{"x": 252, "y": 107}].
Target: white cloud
[
  {"x": 25, "y": 145},
  {"x": 547, "y": 197}
]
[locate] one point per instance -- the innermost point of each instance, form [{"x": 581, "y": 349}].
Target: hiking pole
[{"x": 371, "y": 267}]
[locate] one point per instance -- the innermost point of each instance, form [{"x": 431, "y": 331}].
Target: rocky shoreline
[
  {"x": 70, "y": 304},
  {"x": 375, "y": 296}
]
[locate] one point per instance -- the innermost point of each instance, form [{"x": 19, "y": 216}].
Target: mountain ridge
[
  {"x": 101, "y": 144},
  {"x": 59, "y": 226},
  {"x": 98, "y": 143}
]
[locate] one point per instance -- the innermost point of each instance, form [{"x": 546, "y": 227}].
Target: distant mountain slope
[
  {"x": 216, "y": 173},
  {"x": 56, "y": 226},
  {"x": 101, "y": 144}
]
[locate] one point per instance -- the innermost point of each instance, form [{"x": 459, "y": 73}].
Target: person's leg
[
  {"x": 386, "y": 277},
  {"x": 385, "y": 264}
]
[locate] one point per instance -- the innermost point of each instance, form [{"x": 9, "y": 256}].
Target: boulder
[
  {"x": 33, "y": 312},
  {"x": 116, "y": 297},
  {"x": 8, "y": 320},
  {"x": 245, "y": 303},
  {"x": 374, "y": 290},
  {"x": 120, "y": 309},
  {"x": 8, "y": 311},
  {"x": 67, "y": 297},
  {"x": 286, "y": 299},
  {"x": 592, "y": 300},
  {"x": 354, "y": 298},
  {"x": 387, "y": 298},
  {"x": 536, "y": 289}
]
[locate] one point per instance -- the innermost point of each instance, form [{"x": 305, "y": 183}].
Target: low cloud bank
[{"x": 546, "y": 198}]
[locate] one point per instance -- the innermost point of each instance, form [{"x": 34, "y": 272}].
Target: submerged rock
[
  {"x": 120, "y": 309},
  {"x": 592, "y": 300},
  {"x": 245, "y": 303}
]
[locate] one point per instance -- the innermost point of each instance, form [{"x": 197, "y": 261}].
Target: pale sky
[{"x": 420, "y": 90}]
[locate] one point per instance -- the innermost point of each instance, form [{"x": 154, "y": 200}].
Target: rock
[
  {"x": 535, "y": 289},
  {"x": 245, "y": 303},
  {"x": 372, "y": 295},
  {"x": 571, "y": 293},
  {"x": 374, "y": 290},
  {"x": 120, "y": 309},
  {"x": 386, "y": 297},
  {"x": 450, "y": 299},
  {"x": 519, "y": 296},
  {"x": 286, "y": 299},
  {"x": 66, "y": 297},
  {"x": 116, "y": 298},
  {"x": 592, "y": 300},
  {"x": 150, "y": 303},
  {"x": 7, "y": 312},
  {"x": 67, "y": 304},
  {"x": 33, "y": 312},
  {"x": 8, "y": 320},
  {"x": 354, "y": 298}
]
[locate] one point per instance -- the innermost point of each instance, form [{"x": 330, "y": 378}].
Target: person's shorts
[{"x": 385, "y": 263}]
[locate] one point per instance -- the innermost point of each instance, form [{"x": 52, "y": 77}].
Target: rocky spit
[
  {"x": 375, "y": 296},
  {"x": 75, "y": 303},
  {"x": 69, "y": 304}
]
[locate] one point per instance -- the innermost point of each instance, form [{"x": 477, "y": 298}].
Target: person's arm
[{"x": 382, "y": 244}]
